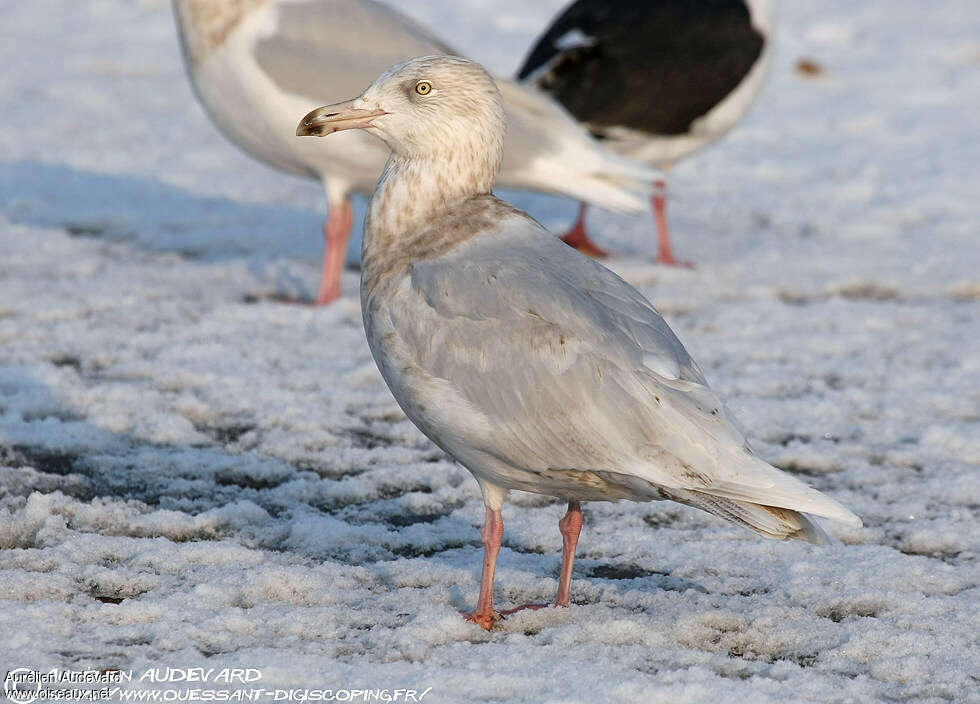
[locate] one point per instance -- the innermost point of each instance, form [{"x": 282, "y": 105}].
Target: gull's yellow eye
[{"x": 423, "y": 87}]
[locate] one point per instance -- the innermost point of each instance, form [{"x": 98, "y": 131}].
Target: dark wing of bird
[{"x": 650, "y": 65}]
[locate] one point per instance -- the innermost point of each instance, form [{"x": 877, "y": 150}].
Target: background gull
[
  {"x": 256, "y": 63},
  {"x": 657, "y": 80},
  {"x": 535, "y": 367}
]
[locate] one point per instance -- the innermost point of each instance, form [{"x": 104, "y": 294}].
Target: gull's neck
[{"x": 402, "y": 219}]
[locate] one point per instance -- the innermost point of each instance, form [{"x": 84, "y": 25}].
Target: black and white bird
[
  {"x": 656, "y": 79},
  {"x": 534, "y": 366}
]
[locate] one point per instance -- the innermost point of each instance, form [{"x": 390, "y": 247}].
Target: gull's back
[{"x": 541, "y": 370}]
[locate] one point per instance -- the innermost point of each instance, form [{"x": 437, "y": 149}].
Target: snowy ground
[{"x": 192, "y": 474}]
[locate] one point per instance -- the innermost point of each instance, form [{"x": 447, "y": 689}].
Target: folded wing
[{"x": 568, "y": 368}]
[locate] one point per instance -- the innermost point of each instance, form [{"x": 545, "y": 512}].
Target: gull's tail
[
  {"x": 769, "y": 521},
  {"x": 751, "y": 492},
  {"x": 547, "y": 150}
]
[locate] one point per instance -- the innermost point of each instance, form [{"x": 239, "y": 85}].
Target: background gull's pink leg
[
  {"x": 336, "y": 234},
  {"x": 578, "y": 238},
  {"x": 665, "y": 255}
]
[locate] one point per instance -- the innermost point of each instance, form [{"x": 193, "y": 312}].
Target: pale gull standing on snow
[
  {"x": 657, "y": 80},
  {"x": 255, "y": 64},
  {"x": 531, "y": 364}
]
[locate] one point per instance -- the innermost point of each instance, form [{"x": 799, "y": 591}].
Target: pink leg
[
  {"x": 578, "y": 238},
  {"x": 336, "y": 233},
  {"x": 493, "y": 533},
  {"x": 570, "y": 527},
  {"x": 665, "y": 254}
]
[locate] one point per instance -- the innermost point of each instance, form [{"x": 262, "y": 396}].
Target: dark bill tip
[{"x": 333, "y": 118}]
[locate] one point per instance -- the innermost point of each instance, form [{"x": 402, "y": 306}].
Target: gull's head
[{"x": 427, "y": 106}]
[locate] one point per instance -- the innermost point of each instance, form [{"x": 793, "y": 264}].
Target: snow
[{"x": 195, "y": 475}]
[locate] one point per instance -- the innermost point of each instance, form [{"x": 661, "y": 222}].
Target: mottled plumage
[
  {"x": 546, "y": 361},
  {"x": 532, "y": 365}
]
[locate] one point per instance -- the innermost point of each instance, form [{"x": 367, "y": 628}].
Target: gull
[
  {"x": 655, "y": 80},
  {"x": 531, "y": 364},
  {"x": 255, "y": 63}
]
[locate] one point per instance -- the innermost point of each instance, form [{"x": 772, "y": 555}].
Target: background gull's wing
[{"x": 331, "y": 50}]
